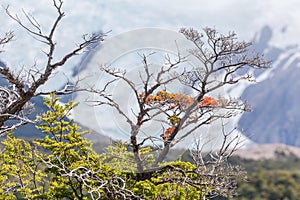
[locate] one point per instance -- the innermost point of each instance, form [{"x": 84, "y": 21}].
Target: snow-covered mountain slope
[{"x": 275, "y": 97}]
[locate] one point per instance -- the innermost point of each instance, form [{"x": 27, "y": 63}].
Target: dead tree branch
[
  {"x": 222, "y": 58},
  {"x": 36, "y": 80}
]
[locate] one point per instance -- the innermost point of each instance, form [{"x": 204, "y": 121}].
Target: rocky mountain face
[{"x": 276, "y": 110}]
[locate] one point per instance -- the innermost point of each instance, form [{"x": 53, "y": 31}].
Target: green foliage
[
  {"x": 179, "y": 189},
  {"x": 68, "y": 154},
  {"x": 19, "y": 169},
  {"x": 159, "y": 184},
  {"x": 269, "y": 179},
  {"x": 273, "y": 184},
  {"x": 48, "y": 168},
  {"x": 167, "y": 184},
  {"x": 118, "y": 156},
  {"x": 63, "y": 165}
]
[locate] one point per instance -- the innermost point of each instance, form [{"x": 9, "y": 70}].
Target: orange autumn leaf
[
  {"x": 175, "y": 100},
  {"x": 168, "y": 132},
  {"x": 170, "y": 129},
  {"x": 209, "y": 101},
  {"x": 166, "y": 136}
]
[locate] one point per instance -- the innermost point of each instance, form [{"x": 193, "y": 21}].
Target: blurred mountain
[
  {"x": 29, "y": 131},
  {"x": 268, "y": 152},
  {"x": 274, "y": 98}
]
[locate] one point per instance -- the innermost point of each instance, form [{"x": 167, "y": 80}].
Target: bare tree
[
  {"x": 222, "y": 61},
  {"x": 25, "y": 87}
]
